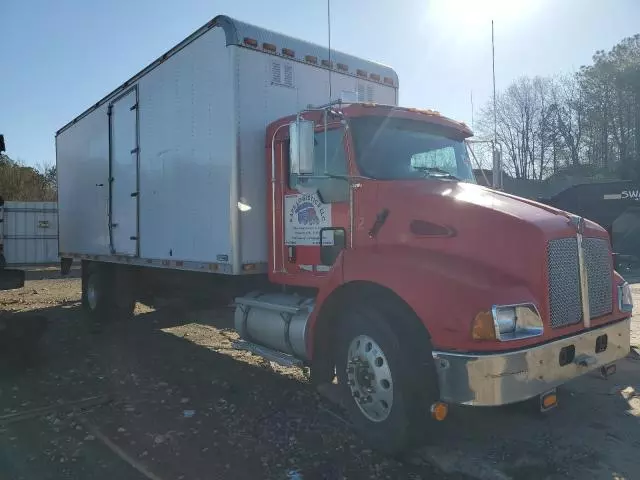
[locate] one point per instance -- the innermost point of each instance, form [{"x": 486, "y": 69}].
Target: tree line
[
  {"x": 26, "y": 184},
  {"x": 587, "y": 123}
]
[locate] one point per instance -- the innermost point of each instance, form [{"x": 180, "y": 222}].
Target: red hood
[{"x": 505, "y": 232}]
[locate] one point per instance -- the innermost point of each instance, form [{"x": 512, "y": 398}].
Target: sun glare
[{"x": 469, "y": 17}]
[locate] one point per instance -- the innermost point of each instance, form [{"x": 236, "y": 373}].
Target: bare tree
[
  {"x": 523, "y": 126},
  {"x": 569, "y": 109}
]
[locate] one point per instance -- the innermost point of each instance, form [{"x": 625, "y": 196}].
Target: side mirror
[
  {"x": 332, "y": 242},
  {"x": 2, "y": 146},
  {"x": 301, "y": 145}
]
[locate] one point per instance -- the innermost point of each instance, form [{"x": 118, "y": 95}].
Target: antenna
[
  {"x": 493, "y": 63},
  {"x": 330, "y": 68},
  {"x": 495, "y": 154},
  {"x": 329, "y": 35},
  {"x": 472, "y": 124}
]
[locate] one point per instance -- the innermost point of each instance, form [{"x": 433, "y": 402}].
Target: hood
[{"x": 469, "y": 221}]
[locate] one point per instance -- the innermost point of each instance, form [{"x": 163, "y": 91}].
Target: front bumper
[{"x": 503, "y": 378}]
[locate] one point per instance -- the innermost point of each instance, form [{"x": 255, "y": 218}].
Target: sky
[{"x": 59, "y": 57}]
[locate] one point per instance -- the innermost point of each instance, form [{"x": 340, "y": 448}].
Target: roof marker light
[{"x": 252, "y": 42}]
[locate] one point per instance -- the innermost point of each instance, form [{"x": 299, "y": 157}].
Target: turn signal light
[
  {"x": 439, "y": 411},
  {"x": 483, "y": 327},
  {"x": 548, "y": 400}
]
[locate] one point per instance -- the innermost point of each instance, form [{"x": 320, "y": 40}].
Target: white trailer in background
[
  {"x": 169, "y": 169},
  {"x": 29, "y": 233}
]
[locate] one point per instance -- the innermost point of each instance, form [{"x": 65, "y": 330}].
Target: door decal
[{"x": 305, "y": 216}]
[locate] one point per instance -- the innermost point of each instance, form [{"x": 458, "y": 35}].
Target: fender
[{"x": 445, "y": 291}]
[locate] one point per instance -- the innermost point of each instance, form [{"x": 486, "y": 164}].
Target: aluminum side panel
[{"x": 187, "y": 148}]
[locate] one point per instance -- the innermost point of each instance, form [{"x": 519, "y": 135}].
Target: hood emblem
[{"x": 578, "y": 223}]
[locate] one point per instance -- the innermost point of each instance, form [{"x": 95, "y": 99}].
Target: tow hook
[
  {"x": 585, "y": 360},
  {"x": 608, "y": 370}
]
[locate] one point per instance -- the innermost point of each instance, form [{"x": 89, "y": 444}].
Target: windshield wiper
[{"x": 437, "y": 173}]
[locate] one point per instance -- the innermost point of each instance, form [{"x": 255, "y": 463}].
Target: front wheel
[{"x": 386, "y": 386}]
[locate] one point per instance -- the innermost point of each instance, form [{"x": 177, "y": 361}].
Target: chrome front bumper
[{"x": 503, "y": 378}]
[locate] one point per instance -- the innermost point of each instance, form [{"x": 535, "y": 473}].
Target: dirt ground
[{"x": 169, "y": 398}]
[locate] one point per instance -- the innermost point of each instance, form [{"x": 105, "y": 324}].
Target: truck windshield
[{"x": 400, "y": 149}]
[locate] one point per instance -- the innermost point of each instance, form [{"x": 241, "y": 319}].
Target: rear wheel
[
  {"x": 97, "y": 292},
  {"x": 107, "y": 292},
  {"x": 387, "y": 381}
]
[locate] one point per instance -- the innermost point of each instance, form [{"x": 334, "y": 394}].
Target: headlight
[
  {"x": 513, "y": 322},
  {"x": 505, "y": 319},
  {"x": 625, "y": 299}
]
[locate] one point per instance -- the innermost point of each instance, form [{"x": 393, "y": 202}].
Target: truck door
[
  {"x": 316, "y": 207},
  {"x": 123, "y": 167}
]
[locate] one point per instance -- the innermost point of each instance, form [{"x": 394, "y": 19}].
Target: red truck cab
[{"x": 418, "y": 288}]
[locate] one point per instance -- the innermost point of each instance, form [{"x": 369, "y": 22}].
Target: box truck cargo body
[{"x": 168, "y": 170}]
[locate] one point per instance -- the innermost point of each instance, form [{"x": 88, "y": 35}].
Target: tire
[
  {"x": 108, "y": 292},
  {"x": 97, "y": 292},
  {"x": 372, "y": 354}
]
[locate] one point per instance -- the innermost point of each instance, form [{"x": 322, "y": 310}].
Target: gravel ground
[{"x": 184, "y": 405}]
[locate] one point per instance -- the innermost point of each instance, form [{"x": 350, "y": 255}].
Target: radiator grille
[
  {"x": 599, "y": 273},
  {"x": 564, "y": 279}
]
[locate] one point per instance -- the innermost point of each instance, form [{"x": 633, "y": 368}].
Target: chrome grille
[
  {"x": 599, "y": 274},
  {"x": 564, "y": 279},
  {"x": 564, "y": 286}
]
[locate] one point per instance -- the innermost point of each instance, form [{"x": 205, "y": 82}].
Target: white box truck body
[{"x": 169, "y": 169}]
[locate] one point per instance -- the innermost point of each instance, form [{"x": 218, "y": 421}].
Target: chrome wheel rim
[
  {"x": 369, "y": 378},
  {"x": 92, "y": 293}
]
